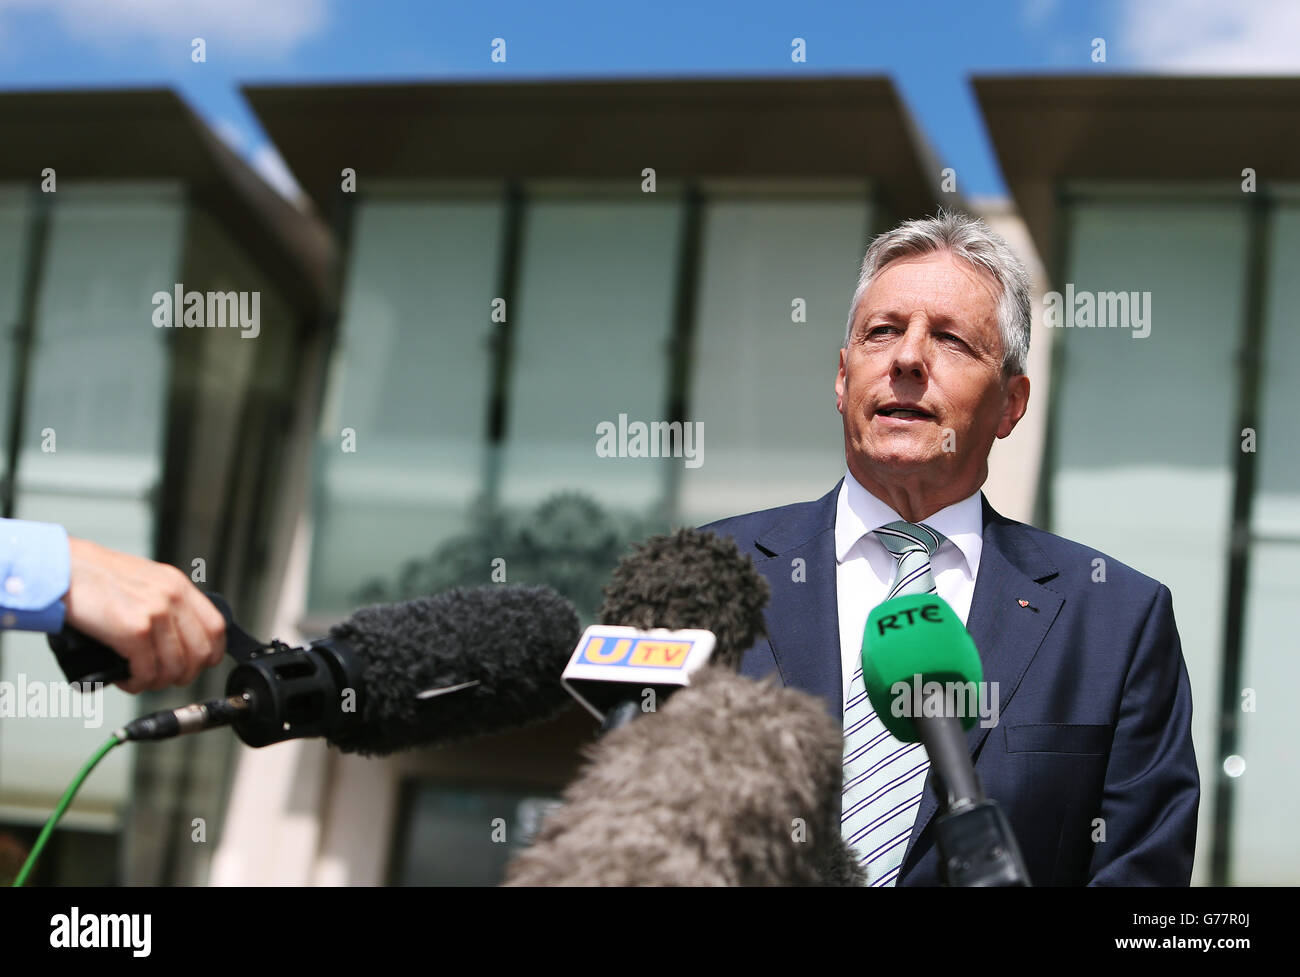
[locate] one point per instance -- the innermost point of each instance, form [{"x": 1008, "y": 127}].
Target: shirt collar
[{"x": 858, "y": 512}]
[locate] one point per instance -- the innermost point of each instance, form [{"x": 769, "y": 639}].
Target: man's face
[{"x": 925, "y": 337}]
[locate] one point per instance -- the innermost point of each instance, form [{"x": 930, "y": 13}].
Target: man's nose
[{"x": 910, "y": 351}]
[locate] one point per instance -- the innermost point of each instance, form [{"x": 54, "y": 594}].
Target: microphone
[
  {"x": 86, "y": 661},
  {"x": 667, "y": 601},
  {"x": 500, "y": 648},
  {"x": 687, "y": 582},
  {"x": 194, "y": 718},
  {"x": 611, "y": 664},
  {"x": 732, "y": 782},
  {"x": 382, "y": 680},
  {"x": 915, "y": 653}
]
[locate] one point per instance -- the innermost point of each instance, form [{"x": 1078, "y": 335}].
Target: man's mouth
[{"x": 905, "y": 413}]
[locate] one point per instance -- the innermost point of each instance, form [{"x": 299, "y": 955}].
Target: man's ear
[
  {"x": 839, "y": 384},
  {"x": 1017, "y": 402}
]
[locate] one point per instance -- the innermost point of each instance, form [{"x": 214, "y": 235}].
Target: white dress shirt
[{"x": 864, "y": 568}]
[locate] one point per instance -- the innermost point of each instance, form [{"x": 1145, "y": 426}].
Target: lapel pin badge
[{"x": 1022, "y": 602}]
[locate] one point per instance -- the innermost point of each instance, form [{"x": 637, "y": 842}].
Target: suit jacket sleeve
[{"x": 1152, "y": 789}]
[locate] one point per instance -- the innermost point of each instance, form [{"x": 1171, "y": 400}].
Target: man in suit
[{"x": 1091, "y": 757}]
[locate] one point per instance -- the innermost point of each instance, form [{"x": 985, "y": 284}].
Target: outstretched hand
[{"x": 149, "y": 613}]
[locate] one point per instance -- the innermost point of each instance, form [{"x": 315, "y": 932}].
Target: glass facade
[
  {"x": 587, "y": 345},
  {"x": 407, "y": 379},
  {"x": 15, "y": 230},
  {"x": 763, "y": 382},
  {"x": 91, "y": 452},
  {"x": 1143, "y": 461},
  {"x": 157, "y": 442},
  {"x": 1268, "y": 791},
  {"x": 592, "y": 341}
]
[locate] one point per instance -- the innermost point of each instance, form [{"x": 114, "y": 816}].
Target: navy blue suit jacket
[{"x": 1095, "y": 702}]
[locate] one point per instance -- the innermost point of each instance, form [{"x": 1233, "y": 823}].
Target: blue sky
[{"x": 928, "y": 49}]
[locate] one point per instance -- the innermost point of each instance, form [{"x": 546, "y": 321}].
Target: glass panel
[
  {"x": 1143, "y": 456},
  {"x": 15, "y": 214},
  {"x": 1267, "y": 793},
  {"x": 1277, "y": 498},
  {"x": 409, "y": 378},
  {"x": 762, "y": 384},
  {"x": 591, "y": 360},
  {"x": 595, "y": 317},
  {"x": 91, "y": 450},
  {"x": 590, "y": 328},
  {"x": 447, "y": 836}
]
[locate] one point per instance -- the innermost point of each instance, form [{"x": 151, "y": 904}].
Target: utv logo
[
  {"x": 1101, "y": 310},
  {"x": 104, "y": 930},
  {"x": 213, "y": 310},
  {"x": 657, "y": 439}
]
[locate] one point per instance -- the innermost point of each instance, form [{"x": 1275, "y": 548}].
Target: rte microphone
[
  {"x": 914, "y": 649},
  {"x": 661, "y": 600},
  {"x": 381, "y": 681},
  {"x": 732, "y": 782}
]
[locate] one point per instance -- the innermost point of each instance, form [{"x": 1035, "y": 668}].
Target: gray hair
[{"x": 974, "y": 242}]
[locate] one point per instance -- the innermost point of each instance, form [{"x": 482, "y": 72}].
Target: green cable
[{"x": 68, "y": 795}]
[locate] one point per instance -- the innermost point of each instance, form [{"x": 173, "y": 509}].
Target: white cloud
[
  {"x": 1214, "y": 36},
  {"x": 1034, "y": 13},
  {"x": 259, "y": 27}
]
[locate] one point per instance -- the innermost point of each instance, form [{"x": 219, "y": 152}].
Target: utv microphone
[
  {"x": 667, "y": 600},
  {"x": 689, "y": 580}
]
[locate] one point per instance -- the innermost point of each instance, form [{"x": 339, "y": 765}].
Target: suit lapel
[
  {"x": 803, "y": 618},
  {"x": 1012, "y": 568}
]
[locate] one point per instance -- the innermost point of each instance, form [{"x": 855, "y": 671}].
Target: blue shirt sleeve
[{"x": 34, "y": 569}]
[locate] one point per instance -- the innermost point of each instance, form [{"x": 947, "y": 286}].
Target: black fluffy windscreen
[
  {"x": 690, "y": 579},
  {"x": 514, "y": 640}
]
